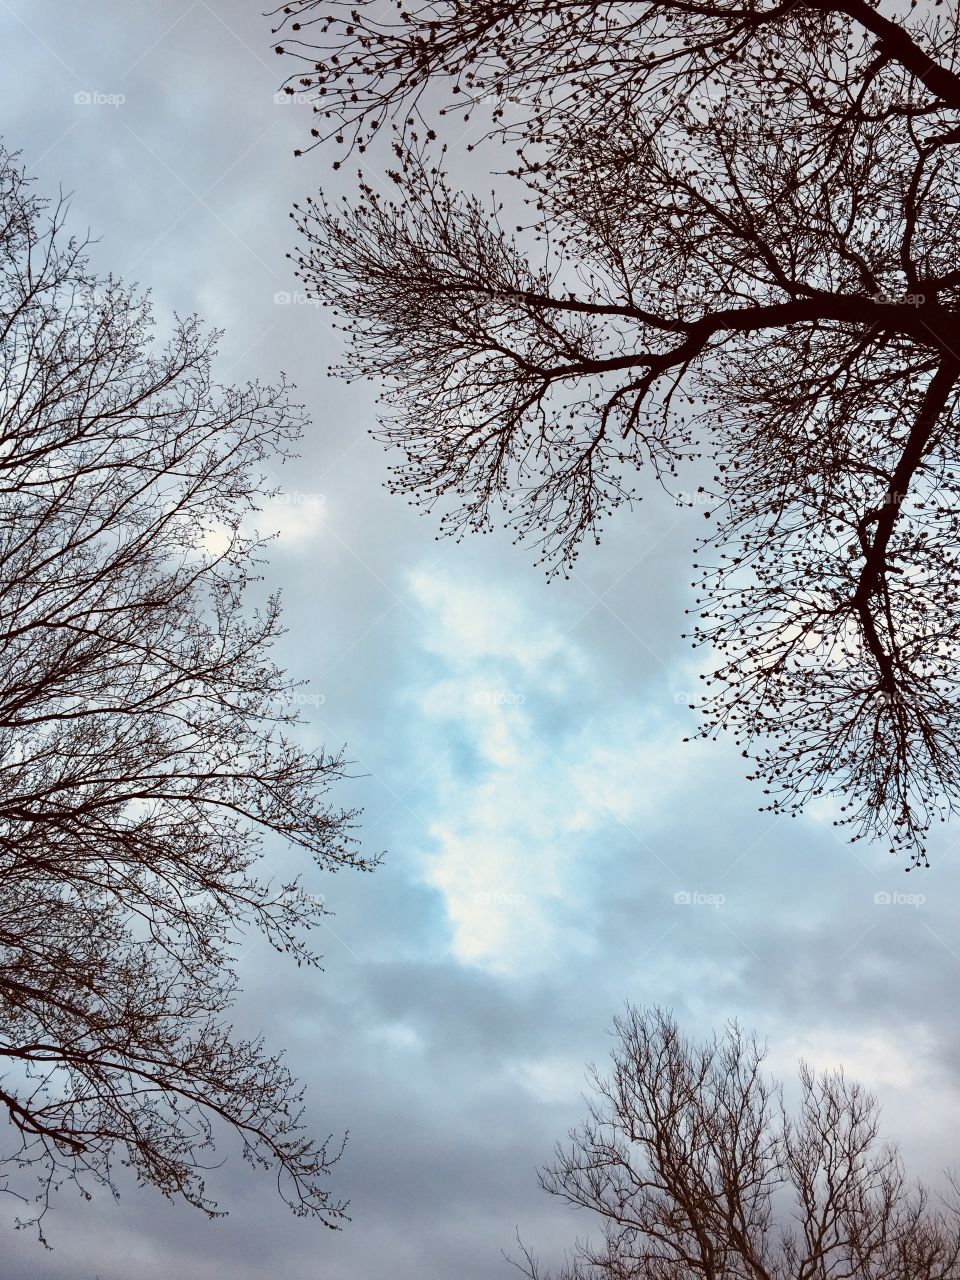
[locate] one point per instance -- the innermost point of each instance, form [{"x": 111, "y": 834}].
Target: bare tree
[
  {"x": 738, "y": 242},
  {"x": 696, "y": 1169},
  {"x": 147, "y": 741}
]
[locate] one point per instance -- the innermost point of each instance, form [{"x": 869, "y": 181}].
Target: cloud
[
  {"x": 878, "y": 1059},
  {"x": 293, "y": 516},
  {"x": 521, "y": 813},
  {"x": 479, "y": 625},
  {"x": 552, "y": 1079}
]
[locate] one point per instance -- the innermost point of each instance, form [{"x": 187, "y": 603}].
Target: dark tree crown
[
  {"x": 147, "y": 740},
  {"x": 738, "y": 243}
]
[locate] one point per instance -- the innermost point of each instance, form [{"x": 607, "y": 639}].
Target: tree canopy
[
  {"x": 696, "y": 1167},
  {"x": 148, "y": 742},
  {"x": 737, "y": 243}
]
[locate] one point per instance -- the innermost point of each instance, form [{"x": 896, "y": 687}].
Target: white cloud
[
  {"x": 551, "y": 1079},
  {"x": 294, "y": 516},
  {"x": 478, "y": 626},
  {"x": 549, "y": 766},
  {"x": 876, "y": 1059},
  {"x": 397, "y": 1035}
]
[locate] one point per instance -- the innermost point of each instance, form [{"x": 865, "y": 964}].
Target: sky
[{"x": 553, "y": 848}]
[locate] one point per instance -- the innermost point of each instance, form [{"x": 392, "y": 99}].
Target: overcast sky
[{"x": 553, "y": 847}]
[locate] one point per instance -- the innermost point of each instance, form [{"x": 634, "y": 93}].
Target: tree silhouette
[
  {"x": 147, "y": 741},
  {"x": 697, "y": 1168},
  {"x": 737, "y": 242}
]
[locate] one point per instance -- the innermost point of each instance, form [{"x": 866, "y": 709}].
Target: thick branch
[
  {"x": 875, "y": 566},
  {"x": 896, "y": 42}
]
